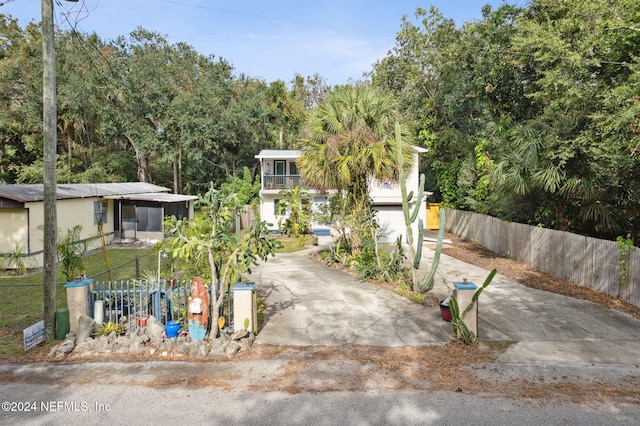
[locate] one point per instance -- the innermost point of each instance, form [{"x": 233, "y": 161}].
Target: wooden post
[{"x": 50, "y": 178}]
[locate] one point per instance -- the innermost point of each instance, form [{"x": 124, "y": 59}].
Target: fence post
[{"x": 137, "y": 267}]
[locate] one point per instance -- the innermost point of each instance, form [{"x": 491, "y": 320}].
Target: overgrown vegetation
[
  {"x": 207, "y": 247},
  {"x": 529, "y": 114},
  {"x": 110, "y": 327},
  {"x": 295, "y": 211},
  {"x": 71, "y": 250},
  {"x": 15, "y": 260}
]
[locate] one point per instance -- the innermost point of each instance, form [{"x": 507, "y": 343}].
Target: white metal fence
[{"x": 590, "y": 262}]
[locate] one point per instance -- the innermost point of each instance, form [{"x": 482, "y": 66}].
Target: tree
[
  {"x": 348, "y": 140},
  {"x": 295, "y": 205},
  {"x": 71, "y": 250},
  {"x": 209, "y": 241},
  {"x": 558, "y": 78},
  {"x": 20, "y": 97}
]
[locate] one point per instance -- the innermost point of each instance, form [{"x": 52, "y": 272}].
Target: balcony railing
[{"x": 282, "y": 181}]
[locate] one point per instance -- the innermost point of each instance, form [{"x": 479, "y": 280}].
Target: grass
[
  {"x": 122, "y": 262},
  {"x": 293, "y": 244},
  {"x": 21, "y": 298}
]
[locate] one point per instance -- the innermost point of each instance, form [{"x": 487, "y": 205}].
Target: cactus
[
  {"x": 410, "y": 217},
  {"x": 460, "y": 328}
]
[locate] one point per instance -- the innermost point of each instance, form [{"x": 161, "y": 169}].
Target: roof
[
  {"x": 155, "y": 196},
  {"x": 35, "y": 192},
  {"x": 279, "y": 153},
  {"x": 291, "y": 153}
]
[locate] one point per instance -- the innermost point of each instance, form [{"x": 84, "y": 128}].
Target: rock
[
  {"x": 121, "y": 345},
  {"x": 216, "y": 350},
  {"x": 246, "y": 344},
  {"x": 158, "y": 342},
  {"x": 123, "y": 341},
  {"x": 136, "y": 339},
  {"x": 224, "y": 338},
  {"x": 232, "y": 348},
  {"x": 86, "y": 325},
  {"x": 136, "y": 346},
  {"x": 118, "y": 349},
  {"x": 84, "y": 348},
  {"x": 145, "y": 338},
  {"x": 65, "y": 348},
  {"x": 154, "y": 327},
  {"x": 53, "y": 351},
  {"x": 103, "y": 346},
  {"x": 196, "y": 347},
  {"x": 185, "y": 349},
  {"x": 111, "y": 338},
  {"x": 239, "y": 334},
  {"x": 203, "y": 350}
]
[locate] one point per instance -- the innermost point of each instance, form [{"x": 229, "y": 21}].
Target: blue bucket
[{"x": 172, "y": 328}]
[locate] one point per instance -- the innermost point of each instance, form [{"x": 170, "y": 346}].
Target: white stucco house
[{"x": 279, "y": 170}]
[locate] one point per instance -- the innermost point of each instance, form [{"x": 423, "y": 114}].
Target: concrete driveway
[{"x": 311, "y": 304}]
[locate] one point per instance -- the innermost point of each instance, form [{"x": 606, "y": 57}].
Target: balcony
[{"x": 280, "y": 182}]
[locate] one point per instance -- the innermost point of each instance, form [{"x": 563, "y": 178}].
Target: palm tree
[
  {"x": 535, "y": 166},
  {"x": 296, "y": 204},
  {"x": 348, "y": 140}
]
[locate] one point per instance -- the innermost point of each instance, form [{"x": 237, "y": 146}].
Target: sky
[{"x": 338, "y": 39}]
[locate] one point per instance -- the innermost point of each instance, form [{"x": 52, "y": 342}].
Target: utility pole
[{"x": 49, "y": 122}]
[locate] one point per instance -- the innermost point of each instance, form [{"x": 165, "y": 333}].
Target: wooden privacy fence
[{"x": 590, "y": 262}]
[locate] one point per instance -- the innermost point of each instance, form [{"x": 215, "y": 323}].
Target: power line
[{"x": 273, "y": 18}]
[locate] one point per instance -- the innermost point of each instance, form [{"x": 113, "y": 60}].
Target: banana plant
[{"x": 420, "y": 284}]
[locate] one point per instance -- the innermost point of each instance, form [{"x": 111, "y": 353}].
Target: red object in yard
[
  {"x": 141, "y": 322},
  {"x": 445, "y": 311}
]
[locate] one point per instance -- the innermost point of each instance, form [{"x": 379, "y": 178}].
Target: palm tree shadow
[{"x": 269, "y": 308}]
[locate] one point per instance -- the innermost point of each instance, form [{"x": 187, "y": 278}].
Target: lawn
[
  {"x": 21, "y": 302},
  {"x": 292, "y": 244},
  {"x": 21, "y": 296}
]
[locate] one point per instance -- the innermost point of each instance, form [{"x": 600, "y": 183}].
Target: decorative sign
[{"x": 33, "y": 335}]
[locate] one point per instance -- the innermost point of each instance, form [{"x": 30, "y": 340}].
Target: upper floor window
[
  {"x": 293, "y": 168},
  {"x": 280, "y": 167}
]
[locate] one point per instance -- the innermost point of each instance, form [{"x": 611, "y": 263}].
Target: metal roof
[
  {"x": 35, "y": 192},
  {"x": 278, "y": 153},
  {"x": 155, "y": 196}
]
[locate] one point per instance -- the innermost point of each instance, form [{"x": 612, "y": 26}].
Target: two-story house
[{"x": 279, "y": 171}]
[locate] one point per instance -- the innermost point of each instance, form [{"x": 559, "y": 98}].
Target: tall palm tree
[{"x": 348, "y": 140}]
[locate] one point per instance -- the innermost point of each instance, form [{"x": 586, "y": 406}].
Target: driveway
[{"x": 311, "y": 304}]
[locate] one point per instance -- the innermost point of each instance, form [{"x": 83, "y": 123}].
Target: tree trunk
[
  {"x": 142, "y": 158},
  {"x": 144, "y": 174},
  {"x": 175, "y": 174},
  {"x": 179, "y": 189}
]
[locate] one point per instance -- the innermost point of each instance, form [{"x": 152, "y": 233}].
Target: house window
[
  {"x": 150, "y": 219},
  {"x": 293, "y": 168},
  {"x": 276, "y": 207},
  {"x": 100, "y": 209},
  {"x": 280, "y": 167}
]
